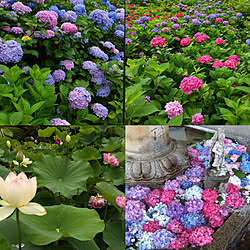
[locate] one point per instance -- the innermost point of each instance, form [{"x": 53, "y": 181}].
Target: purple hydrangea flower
[
  {"x": 95, "y": 51},
  {"x": 10, "y": 52},
  {"x": 163, "y": 238},
  {"x": 68, "y": 64},
  {"x": 139, "y": 192},
  {"x": 58, "y": 122},
  {"x": 58, "y": 75},
  {"x": 70, "y": 16},
  {"x": 49, "y": 80},
  {"x": 134, "y": 210},
  {"x": 104, "y": 90},
  {"x": 172, "y": 185},
  {"x": 196, "y": 22},
  {"x": 98, "y": 76},
  {"x": 76, "y": 2},
  {"x": 176, "y": 210},
  {"x": 79, "y": 98},
  {"x": 144, "y": 19},
  {"x": 100, "y": 110},
  {"x": 194, "y": 205},
  {"x": 17, "y": 30},
  {"x": 108, "y": 45},
  {"x": 119, "y": 33},
  {"x": 100, "y": 17}
]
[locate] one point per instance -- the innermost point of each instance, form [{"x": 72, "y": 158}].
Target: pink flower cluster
[
  {"x": 121, "y": 202},
  {"x": 20, "y": 8},
  {"x": 17, "y": 30},
  {"x": 175, "y": 226},
  {"x": 205, "y": 59},
  {"x": 173, "y": 109},
  {"x": 38, "y": 1},
  {"x": 197, "y": 119},
  {"x": 234, "y": 201},
  {"x": 219, "y": 20},
  {"x": 185, "y": 41},
  {"x": 234, "y": 57},
  {"x": 68, "y": 64},
  {"x": 201, "y": 236},
  {"x": 241, "y": 148},
  {"x": 190, "y": 83},
  {"x": 209, "y": 195},
  {"x": 151, "y": 226},
  {"x": 96, "y": 201},
  {"x": 216, "y": 221},
  {"x": 69, "y": 28},
  {"x": 47, "y": 17},
  {"x": 157, "y": 42},
  {"x": 210, "y": 209},
  {"x": 154, "y": 197},
  {"x": 200, "y": 38},
  {"x": 231, "y": 64},
  {"x": 167, "y": 196},
  {"x": 232, "y": 189},
  {"x": 50, "y": 33},
  {"x": 112, "y": 160},
  {"x": 218, "y": 64},
  {"x": 219, "y": 41}
]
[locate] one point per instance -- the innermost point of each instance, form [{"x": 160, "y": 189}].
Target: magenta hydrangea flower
[
  {"x": 151, "y": 226},
  {"x": 69, "y": 28},
  {"x": 210, "y": 209},
  {"x": 231, "y": 64},
  {"x": 173, "y": 109},
  {"x": 167, "y": 196},
  {"x": 209, "y": 195},
  {"x": 216, "y": 221},
  {"x": 197, "y": 119},
  {"x": 218, "y": 64},
  {"x": 234, "y": 201},
  {"x": 205, "y": 59},
  {"x": 219, "y": 41},
  {"x": 190, "y": 83},
  {"x": 185, "y": 41},
  {"x": 175, "y": 226},
  {"x": 47, "y": 17},
  {"x": 153, "y": 197},
  {"x": 157, "y": 42},
  {"x": 232, "y": 189},
  {"x": 201, "y": 236},
  {"x": 234, "y": 57},
  {"x": 79, "y": 98}
]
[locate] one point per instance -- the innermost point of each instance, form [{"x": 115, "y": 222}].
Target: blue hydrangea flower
[
  {"x": 70, "y": 16},
  {"x": 119, "y": 33},
  {"x": 163, "y": 238},
  {"x": 10, "y": 52},
  {"x": 100, "y": 110},
  {"x": 104, "y": 90},
  {"x": 186, "y": 184},
  {"x": 129, "y": 239},
  {"x": 100, "y": 17},
  {"x": 245, "y": 166},
  {"x": 192, "y": 220},
  {"x": 245, "y": 182},
  {"x": 95, "y": 51},
  {"x": 234, "y": 152},
  {"x": 248, "y": 42},
  {"x": 193, "y": 192},
  {"x": 80, "y": 10}
]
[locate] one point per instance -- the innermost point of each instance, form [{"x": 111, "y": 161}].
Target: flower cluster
[{"x": 188, "y": 84}]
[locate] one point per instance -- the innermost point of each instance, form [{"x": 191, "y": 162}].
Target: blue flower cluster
[
  {"x": 245, "y": 166},
  {"x": 100, "y": 110},
  {"x": 10, "y": 52},
  {"x": 193, "y": 192},
  {"x": 192, "y": 220},
  {"x": 95, "y": 51},
  {"x": 100, "y": 17},
  {"x": 186, "y": 184},
  {"x": 163, "y": 238}
]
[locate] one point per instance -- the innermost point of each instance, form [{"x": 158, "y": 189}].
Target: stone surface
[{"x": 152, "y": 157}]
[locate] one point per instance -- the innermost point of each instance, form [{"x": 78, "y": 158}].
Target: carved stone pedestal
[{"x": 152, "y": 157}]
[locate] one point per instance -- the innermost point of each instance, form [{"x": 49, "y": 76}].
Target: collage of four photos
[{"x": 124, "y": 125}]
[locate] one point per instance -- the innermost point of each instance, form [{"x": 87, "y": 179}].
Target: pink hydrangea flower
[
  {"x": 69, "y": 28},
  {"x": 157, "y": 42},
  {"x": 175, "y": 226},
  {"x": 112, "y": 160},
  {"x": 219, "y": 20},
  {"x": 231, "y": 64},
  {"x": 190, "y": 83},
  {"x": 241, "y": 148},
  {"x": 209, "y": 195},
  {"x": 218, "y": 64},
  {"x": 165, "y": 29},
  {"x": 96, "y": 201},
  {"x": 185, "y": 41},
  {"x": 234, "y": 201},
  {"x": 201, "y": 39},
  {"x": 216, "y": 221},
  {"x": 115, "y": 51},
  {"x": 232, "y": 189},
  {"x": 151, "y": 226},
  {"x": 154, "y": 197},
  {"x": 20, "y": 8},
  {"x": 50, "y": 33},
  {"x": 167, "y": 196},
  {"x": 38, "y": 1},
  {"x": 173, "y": 109},
  {"x": 232, "y": 165},
  {"x": 193, "y": 152},
  {"x": 219, "y": 41},
  {"x": 17, "y": 30},
  {"x": 68, "y": 64},
  {"x": 177, "y": 39},
  {"x": 47, "y": 17},
  {"x": 210, "y": 209},
  {"x": 234, "y": 57},
  {"x": 201, "y": 236},
  {"x": 197, "y": 35},
  {"x": 121, "y": 202},
  {"x": 197, "y": 119},
  {"x": 234, "y": 158},
  {"x": 205, "y": 59},
  {"x": 178, "y": 244}
]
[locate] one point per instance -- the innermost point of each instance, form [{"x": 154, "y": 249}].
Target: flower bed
[
  {"x": 72, "y": 178},
  {"x": 61, "y": 59},
  {"x": 182, "y": 213},
  {"x": 191, "y": 57}
]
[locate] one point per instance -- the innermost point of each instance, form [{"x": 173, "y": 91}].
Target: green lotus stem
[
  {"x": 106, "y": 209},
  {"x": 19, "y": 229}
]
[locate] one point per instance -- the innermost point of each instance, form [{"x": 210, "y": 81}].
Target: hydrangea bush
[
  {"x": 183, "y": 213},
  {"x": 192, "y": 53},
  {"x": 44, "y": 46},
  {"x": 80, "y": 180}
]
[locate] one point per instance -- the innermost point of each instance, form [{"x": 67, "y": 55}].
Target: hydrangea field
[
  {"x": 187, "y": 62},
  {"x": 62, "y": 188},
  {"x": 61, "y": 62},
  {"x": 183, "y": 213}
]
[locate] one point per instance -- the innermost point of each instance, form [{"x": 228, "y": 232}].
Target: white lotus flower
[{"x": 17, "y": 192}]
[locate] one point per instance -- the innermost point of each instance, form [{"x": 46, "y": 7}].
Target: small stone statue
[{"x": 217, "y": 154}]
